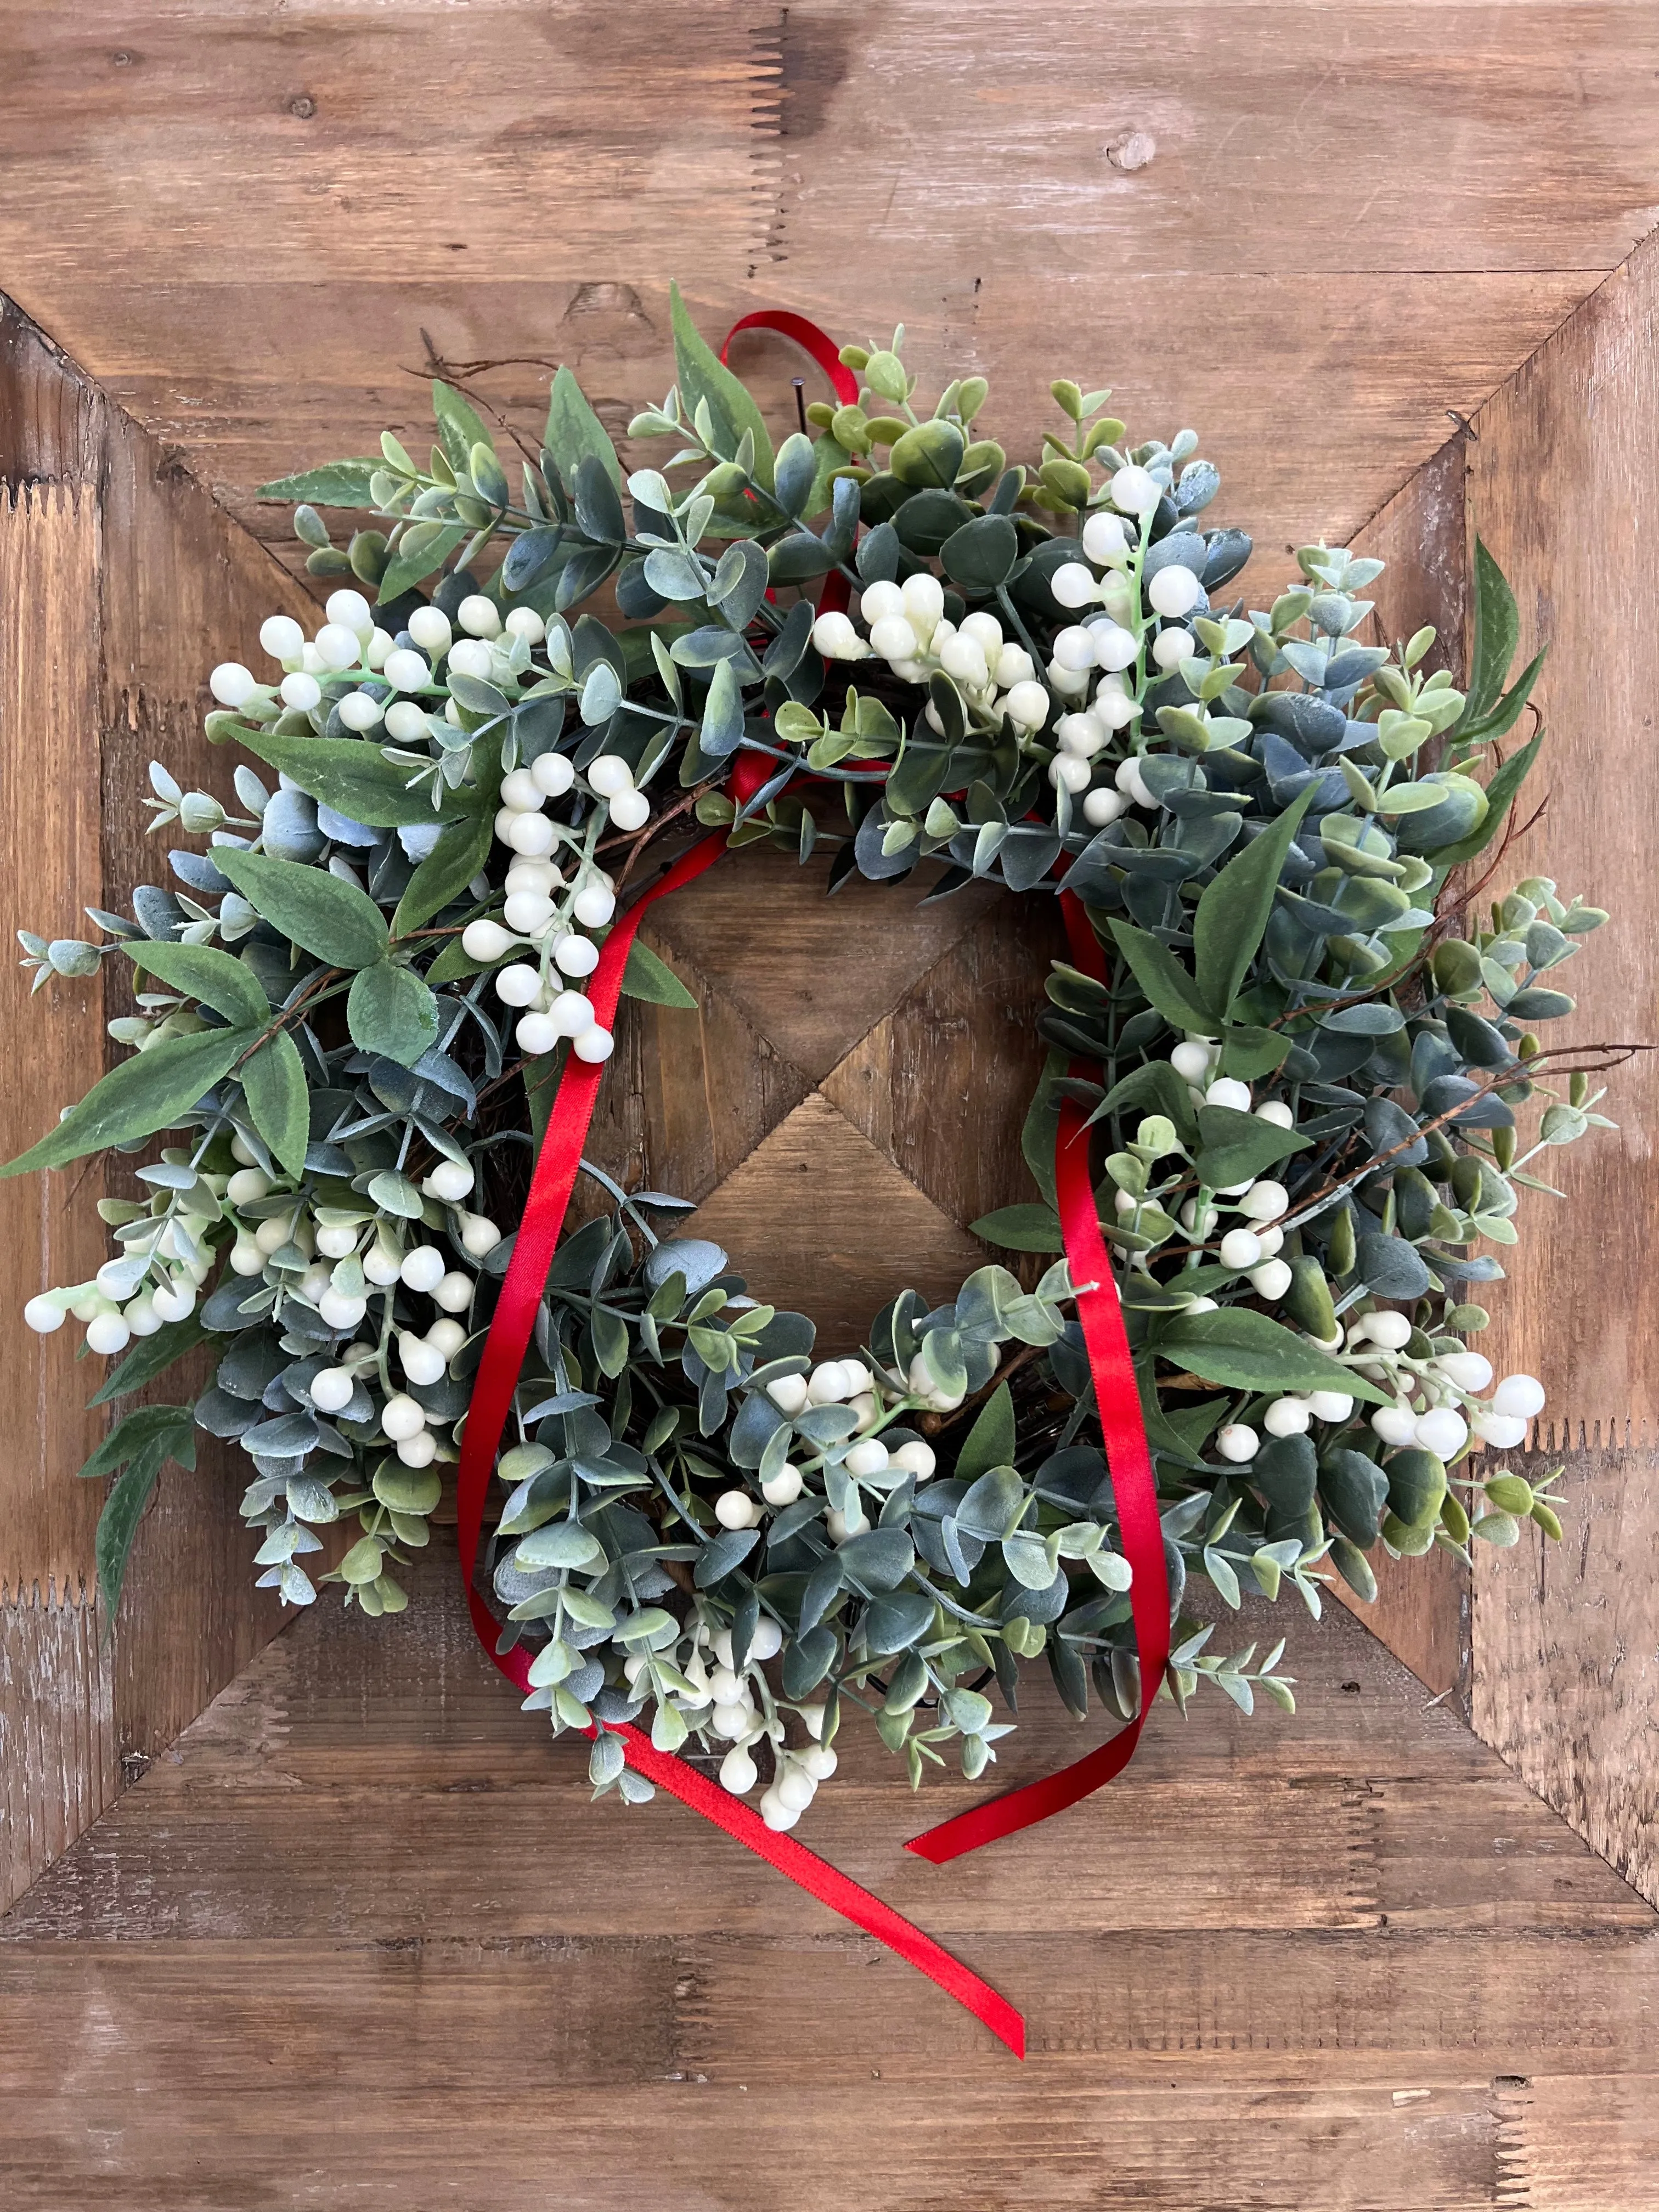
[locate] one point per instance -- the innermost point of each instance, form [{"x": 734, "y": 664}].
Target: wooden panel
[
  {"x": 1562, "y": 490},
  {"x": 872, "y": 1231},
  {"x": 1345, "y": 1959},
  {"x": 1566, "y": 1648},
  {"x": 59, "y": 1762},
  {"x": 1563, "y": 469},
  {"x": 233, "y": 219},
  {"x": 120, "y": 583},
  {"x": 49, "y": 560}
]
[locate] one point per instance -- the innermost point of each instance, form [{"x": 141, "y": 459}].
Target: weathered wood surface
[
  {"x": 362, "y": 1934},
  {"x": 1564, "y": 472},
  {"x": 241, "y": 219},
  {"x": 117, "y": 573}
]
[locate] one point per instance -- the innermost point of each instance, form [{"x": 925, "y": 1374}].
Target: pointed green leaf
[
  {"x": 458, "y": 428},
  {"x": 328, "y": 917},
  {"x": 407, "y": 569},
  {"x": 1236, "y": 1146},
  {"x": 353, "y": 777},
  {"x": 722, "y": 714},
  {"x": 1021, "y": 1228},
  {"x": 150, "y": 1356},
  {"x": 445, "y": 873},
  {"x": 1501, "y": 790},
  {"x": 990, "y": 1441},
  {"x": 574, "y": 432},
  {"x": 647, "y": 977},
  {"x": 274, "y": 1085},
  {"x": 1505, "y": 715},
  {"x": 390, "y": 1011},
  {"x": 1246, "y": 1350},
  {"x": 703, "y": 376},
  {"x": 336, "y": 483},
  {"x": 142, "y": 1444},
  {"x": 1232, "y": 914},
  {"x": 215, "y": 979},
  {"x": 1166, "y": 983},
  {"x": 1497, "y": 634},
  {"x": 143, "y": 1096}
]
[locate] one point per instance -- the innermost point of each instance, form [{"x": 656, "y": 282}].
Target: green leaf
[
  {"x": 575, "y": 433},
  {"x": 336, "y": 483},
  {"x": 390, "y": 1011},
  {"x": 982, "y": 553},
  {"x": 445, "y": 873},
  {"x": 1246, "y": 1350},
  {"x": 274, "y": 1084},
  {"x": 143, "y": 1095},
  {"x": 990, "y": 1441},
  {"x": 1165, "y": 983},
  {"x": 1497, "y": 634},
  {"x": 216, "y": 979},
  {"x": 353, "y": 777},
  {"x": 1232, "y": 914},
  {"x": 1501, "y": 791},
  {"x": 1505, "y": 715},
  {"x": 405, "y": 570},
  {"x": 458, "y": 428},
  {"x": 1235, "y": 1145},
  {"x": 703, "y": 376},
  {"x": 1155, "y": 1088},
  {"x": 331, "y": 919},
  {"x": 647, "y": 977},
  {"x": 150, "y": 1356},
  {"x": 141, "y": 1444},
  {"x": 722, "y": 714},
  {"x": 452, "y": 964},
  {"x": 1248, "y": 1053},
  {"x": 1021, "y": 1228}
]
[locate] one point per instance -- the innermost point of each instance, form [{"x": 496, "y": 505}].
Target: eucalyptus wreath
[{"x": 353, "y": 1005}]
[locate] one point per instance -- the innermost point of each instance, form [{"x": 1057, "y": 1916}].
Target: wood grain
[
  {"x": 1565, "y": 1636},
  {"x": 242, "y": 221},
  {"x": 116, "y": 575},
  {"x": 872, "y": 1232},
  {"x": 51, "y": 555},
  {"x": 306, "y": 1960}
]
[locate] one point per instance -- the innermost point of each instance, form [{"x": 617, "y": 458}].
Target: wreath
[{"x": 1291, "y": 1045}]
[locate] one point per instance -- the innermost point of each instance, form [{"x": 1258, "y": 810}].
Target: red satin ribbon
[
  {"x": 810, "y": 338},
  {"x": 1116, "y": 1395},
  {"x": 1123, "y": 1431},
  {"x": 510, "y": 1332}
]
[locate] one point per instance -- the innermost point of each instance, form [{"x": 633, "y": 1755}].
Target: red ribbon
[
  {"x": 1123, "y": 1432},
  {"x": 508, "y": 1339},
  {"x": 1115, "y": 1391}
]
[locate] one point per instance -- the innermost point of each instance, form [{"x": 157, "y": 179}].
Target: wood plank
[
  {"x": 314, "y": 1889},
  {"x": 1584, "y": 412},
  {"x": 943, "y": 1083},
  {"x": 872, "y": 1232},
  {"x": 1566, "y": 1643},
  {"x": 323, "y": 233},
  {"x": 120, "y": 582},
  {"x": 1565, "y": 1637},
  {"x": 50, "y": 558}
]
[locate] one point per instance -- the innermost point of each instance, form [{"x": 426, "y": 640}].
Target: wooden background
[{"x": 1381, "y": 256}]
